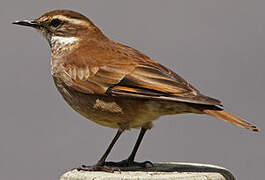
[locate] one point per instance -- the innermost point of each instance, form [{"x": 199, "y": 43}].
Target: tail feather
[{"x": 228, "y": 117}]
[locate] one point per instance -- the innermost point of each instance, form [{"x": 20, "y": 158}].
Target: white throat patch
[
  {"x": 61, "y": 46},
  {"x": 62, "y": 41}
]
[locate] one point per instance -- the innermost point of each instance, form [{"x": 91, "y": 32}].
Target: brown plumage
[
  {"x": 115, "y": 85},
  {"x": 228, "y": 117}
]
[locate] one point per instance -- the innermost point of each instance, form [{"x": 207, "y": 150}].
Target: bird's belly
[
  {"x": 109, "y": 111},
  {"x": 123, "y": 113}
]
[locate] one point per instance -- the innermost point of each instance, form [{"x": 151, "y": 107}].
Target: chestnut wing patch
[{"x": 154, "y": 81}]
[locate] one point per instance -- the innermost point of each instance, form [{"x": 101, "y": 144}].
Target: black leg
[
  {"x": 102, "y": 160},
  {"x": 100, "y": 166},
  {"x": 137, "y": 144},
  {"x": 130, "y": 161}
]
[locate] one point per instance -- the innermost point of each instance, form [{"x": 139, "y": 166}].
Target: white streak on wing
[
  {"x": 74, "y": 73},
  {"x": 87, "y": 73},
  {"x": 80, "y": 74}
]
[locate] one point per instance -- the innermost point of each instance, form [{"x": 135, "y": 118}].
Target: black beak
[{"x": 30, "y": 23}]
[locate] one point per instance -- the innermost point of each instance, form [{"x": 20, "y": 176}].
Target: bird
[{"x": 115, "y": 85}]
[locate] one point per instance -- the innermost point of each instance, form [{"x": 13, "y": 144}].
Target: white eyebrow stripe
[{"x": 74, "y": 21}]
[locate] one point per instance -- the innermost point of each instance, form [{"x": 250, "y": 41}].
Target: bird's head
[{"x": 63, "y": 26}]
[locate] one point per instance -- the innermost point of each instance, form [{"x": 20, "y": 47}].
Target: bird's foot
[
  {"x": 97, "y": 168},
  {"x": 128, "y": 163}
]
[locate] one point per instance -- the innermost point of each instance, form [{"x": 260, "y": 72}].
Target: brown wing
[
  {"x": 94, "y": 67},
  {"x": 118, "y": 70},
  {"x": 152, "y": 80}
]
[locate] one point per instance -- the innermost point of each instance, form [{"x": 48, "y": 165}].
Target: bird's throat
[{"x": 61, "y": 46}]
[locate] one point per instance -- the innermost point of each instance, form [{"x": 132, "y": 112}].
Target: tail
[{"x": 228, "y": 117}]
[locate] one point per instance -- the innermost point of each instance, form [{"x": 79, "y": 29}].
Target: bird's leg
[
  {"x": 130, "y": 160},
  {"x": 100, "y": 166}
]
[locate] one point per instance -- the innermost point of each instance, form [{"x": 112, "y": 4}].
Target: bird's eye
[{"x": 55, "y": 22}]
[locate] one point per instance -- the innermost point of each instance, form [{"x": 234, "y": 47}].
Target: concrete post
[{"x": 161, "y": 171}]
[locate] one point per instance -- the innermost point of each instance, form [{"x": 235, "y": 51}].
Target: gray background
[{"x": 219, "y": 46}]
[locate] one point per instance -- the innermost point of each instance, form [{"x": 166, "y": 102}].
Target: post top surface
[{"x": 163, "y": 171}]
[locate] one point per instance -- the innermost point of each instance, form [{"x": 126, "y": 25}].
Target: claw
[
  {"x": 97, "y": 168},
  {"x": 126, "y": 163}
]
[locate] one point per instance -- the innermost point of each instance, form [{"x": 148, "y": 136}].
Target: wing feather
[{"x": 119, "y": 70}]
